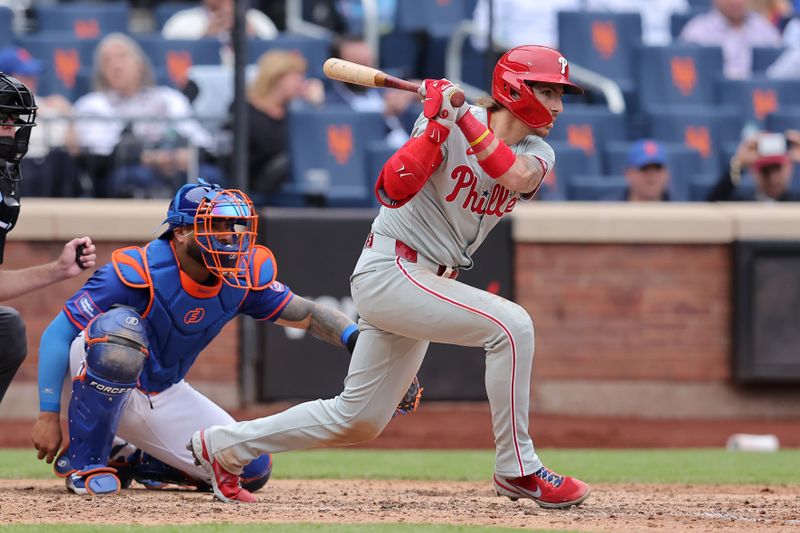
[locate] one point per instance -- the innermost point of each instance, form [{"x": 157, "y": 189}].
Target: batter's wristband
[
  {"x": 471, "y": 127},
  {"x": 349, "y": 337},
  {"x": 499, "y": 161},
  {"x": 436, "y": 133}
]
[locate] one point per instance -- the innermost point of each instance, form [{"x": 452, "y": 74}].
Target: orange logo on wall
[
  {"x": 684, "y": 74},
  {"x": 178, "y": 63},
  {"x": 604, "y": 37},
  {"x": 698, "y": 137},
  {"x": 340, "y": 142},
  {"x": 581, "y": 136},
  {"x": 194, "y": 316},
  {"x": 67, "y": 64},
  {"x": 765, "y": 101},
  {"x": 86, "y": 29}
]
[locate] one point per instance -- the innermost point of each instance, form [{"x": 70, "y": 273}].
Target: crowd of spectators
[{"x": 133, "y": 130}]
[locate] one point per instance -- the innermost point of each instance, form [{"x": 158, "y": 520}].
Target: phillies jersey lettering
[
  {"x": 459, "y": 205},
  {"x": 497, "y": 202}
]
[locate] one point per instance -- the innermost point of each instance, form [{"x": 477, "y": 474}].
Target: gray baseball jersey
[
  {"x": 459, "y": 205},
  {"x": 405, "y": 302}
]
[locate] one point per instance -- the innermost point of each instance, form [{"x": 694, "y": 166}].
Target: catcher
[{"x": 131, "y": 334}]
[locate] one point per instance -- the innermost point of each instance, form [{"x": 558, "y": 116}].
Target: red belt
[{"x": 403, "y": 250}]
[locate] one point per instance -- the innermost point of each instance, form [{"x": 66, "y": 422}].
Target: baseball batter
[
  {"x": 133, "y": 331},
  {"x": 442, "y": 192}
]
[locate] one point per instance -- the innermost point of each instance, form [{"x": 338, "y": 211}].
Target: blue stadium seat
[
  {"x": 677, "y": 21},
  {"x": 756, "y": 98},
  {"x": 315, "y": 50},
  {"x": 176, "y": 56},
  {"x": 589, "y": 128},
  {"x": 63, "y": 58},
  {"x": 677, "y": 75},
  {"x": 378, "y": 153},
  {"x": 764, "y": 56},
  {"x": 787, "y": 119},
  {"x": 602, "y": 41},
  {"x": 164, "y": 10},
  {"x": 6, "y": 26},
  {"x": 571, "y": 161},
  {"x": 436, "y": 18},
  {"x": 682, "y": 163},
  {"x": 705, "y": 130},
  {"x": 328, "y": 154},
  {"x": 84, "y": 20},
  {"x": 593, "y": 188}
]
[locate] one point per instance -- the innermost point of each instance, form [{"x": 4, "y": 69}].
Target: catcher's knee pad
[
  {"x": 116, "y": 349},
  {"x": 256, "y": 474}
]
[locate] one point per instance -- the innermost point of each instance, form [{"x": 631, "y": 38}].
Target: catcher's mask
[
  {"x": 17, "y": 109},
  {"x": 225, "y": 227}
]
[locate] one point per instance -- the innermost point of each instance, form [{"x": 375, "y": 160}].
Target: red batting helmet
[{"x": 527, "y": 64}]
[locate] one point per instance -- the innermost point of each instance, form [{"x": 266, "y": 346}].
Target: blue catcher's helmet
[{"x": 225, "y": 227}]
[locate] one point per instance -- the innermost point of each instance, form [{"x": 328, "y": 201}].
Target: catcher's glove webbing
[{"x": 410, "y": 401}]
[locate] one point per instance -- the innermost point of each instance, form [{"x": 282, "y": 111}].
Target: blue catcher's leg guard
[
  {"x": 116, "y": 349},
  {"x": 256, "y": 474}
]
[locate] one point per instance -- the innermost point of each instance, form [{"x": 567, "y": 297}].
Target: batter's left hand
[
  {"x": 436, "y": 102},
  {"x": 70, "y": 263}
]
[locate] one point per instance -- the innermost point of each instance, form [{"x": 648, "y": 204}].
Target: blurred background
[{"x": 660, "y": 262}]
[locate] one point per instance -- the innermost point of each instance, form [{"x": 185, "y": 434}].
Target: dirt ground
[{"x": 610, "y": 508}]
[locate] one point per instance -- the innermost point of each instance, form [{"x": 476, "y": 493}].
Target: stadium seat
[
  {"x": 677, "y": 75},
  {"x": 571, "y": 161},
  {"x": 328, "y": 154},
  {"x": 705, "y": 130},
  {"x": 787, "y": 119},
  {"x": 176, "y": 56},
  {"x": 589, "y": 128},
  {"x": 84, "y": 20},
  {"x": 682, "y": 163},
  {"x": 593, "y": 188},
  {"x": 6, "y": 26},
  {"x": 603, "y": 42},
  {"x": 63, "y": 58},
  {"x": 756, "y": 98},
  {"x": 764, "y": 56},
  {"x": 677, "y": 21},
  {"x": 314, "y": 49},
  {"x": 437, "y": 19}
]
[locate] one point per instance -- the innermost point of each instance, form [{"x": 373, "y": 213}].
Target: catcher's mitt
[{"x": 410, "y": 401}]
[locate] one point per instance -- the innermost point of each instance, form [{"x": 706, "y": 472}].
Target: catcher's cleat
[
  {"x": 94, "y": 480},
  {"x": 545, "y": 487},
  {"x": 227, "y": 486}
]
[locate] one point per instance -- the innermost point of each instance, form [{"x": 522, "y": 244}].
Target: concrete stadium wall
[{"x": 632, "y": 305}]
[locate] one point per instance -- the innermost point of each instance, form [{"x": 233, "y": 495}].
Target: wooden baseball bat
[{"x": 349, "y": 72}]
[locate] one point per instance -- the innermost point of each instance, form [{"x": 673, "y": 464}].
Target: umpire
[{"x": 17, "y": 118}]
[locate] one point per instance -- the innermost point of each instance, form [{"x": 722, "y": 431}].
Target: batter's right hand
[
  {"x": 46, "y": 435},
  {"x": 436, "y": 102}
]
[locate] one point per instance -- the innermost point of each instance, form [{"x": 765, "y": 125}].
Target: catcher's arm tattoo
[{"x": 323, "y": 322}]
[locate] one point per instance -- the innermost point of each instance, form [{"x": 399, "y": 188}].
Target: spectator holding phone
[{"x": 770, "y": 158}]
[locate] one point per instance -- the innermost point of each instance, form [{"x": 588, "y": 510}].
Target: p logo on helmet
[{"x": 522, "y": 66}]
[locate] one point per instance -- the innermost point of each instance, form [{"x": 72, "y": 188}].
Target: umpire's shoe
[
  {"x": 227, "y": 486},
  {"x": 545, "y": 487}
]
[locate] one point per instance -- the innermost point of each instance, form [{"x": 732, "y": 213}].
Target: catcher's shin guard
[{"x": 115, "y": 355}]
